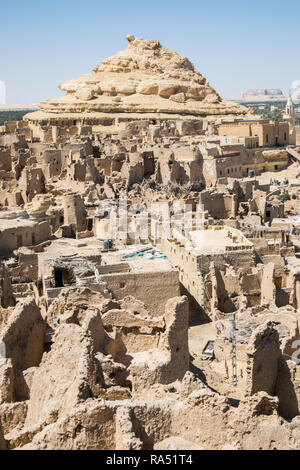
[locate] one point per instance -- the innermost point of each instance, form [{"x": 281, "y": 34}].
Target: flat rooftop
[
  {"x": 217, "y": 239},
  {"x": 70, "y": 247},
  {"x": 6, "y": 224},
  {"x": 140, "y": 258}
]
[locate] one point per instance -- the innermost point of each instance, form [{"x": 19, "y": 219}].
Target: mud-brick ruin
[{"x": 150, "y": 270}]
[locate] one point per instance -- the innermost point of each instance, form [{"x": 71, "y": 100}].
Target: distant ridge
[
  {"x": 262, "y": 95},
  {"x": 17, "y": 107}
]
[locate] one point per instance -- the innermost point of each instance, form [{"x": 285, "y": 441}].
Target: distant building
[
  {"x": 238, "y": 157},
  {"x": 269, "y": 133}
]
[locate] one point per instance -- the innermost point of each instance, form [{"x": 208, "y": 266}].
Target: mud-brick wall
[
  {"x": 237, "y": 259},
  {"x": 13, "y": 238},
  {"x": 263, "y": 360},
  {"x": 152, "y": 288},
  {"x": 41, "y": 232},
  {"x": 288, "y": 388}
]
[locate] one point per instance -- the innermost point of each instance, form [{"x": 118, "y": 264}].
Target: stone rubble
[{"x": 132, "y": 340}]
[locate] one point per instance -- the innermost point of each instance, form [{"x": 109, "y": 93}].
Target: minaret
[{"x": 290, "y": 116}]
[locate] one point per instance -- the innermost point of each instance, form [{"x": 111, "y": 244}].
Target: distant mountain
[
  {"x": 263, "y": 95},
  {"x": 17, "y": 107}
]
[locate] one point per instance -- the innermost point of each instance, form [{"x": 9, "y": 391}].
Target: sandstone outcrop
[{"x": 146, "y": 80}]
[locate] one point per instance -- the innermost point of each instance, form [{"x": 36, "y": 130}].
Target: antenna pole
[{"x": 233, "y": 351}]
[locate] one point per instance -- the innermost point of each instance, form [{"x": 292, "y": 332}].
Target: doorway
[{"x": 59, "y": 279}]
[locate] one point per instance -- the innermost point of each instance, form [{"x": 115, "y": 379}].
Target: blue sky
[{"x": 236, "y": 44}]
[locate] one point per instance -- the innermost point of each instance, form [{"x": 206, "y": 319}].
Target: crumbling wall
[
  {"x": 74, "y": 211},
  {"x": 176, "y": 337},
  {"x": 288, "y": 389},
  {"x": 32, "y": 182},
  {"x": 208, "y": 420},
  {"x": 61, "y": 376},
  {"x": 268, "y": 289},
  {"x": 132, "y": 172},
  {"x": 169, "y": 361},
  {"x": 23, "y": 338},
  {"x": 154, "y": 289},
  {"x": 6, "y": 293},
  {"x": 263, "y": 353}
]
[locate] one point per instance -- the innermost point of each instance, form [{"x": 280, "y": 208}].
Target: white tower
[{"x": 290, "y": 116}]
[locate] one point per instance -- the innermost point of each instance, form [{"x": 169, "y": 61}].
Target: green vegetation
[
  {"x": 284, "y": 196},
  {"x": 12, "y": 115},
  {"x": 273, "y": 111}
]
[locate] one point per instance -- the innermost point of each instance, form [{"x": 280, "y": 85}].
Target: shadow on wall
[
  {"x": 197, "y": 315},
  {"x": 282, "y": 298},
  {"x": 225, "y": 304},
  {"x": 285, "y": 390}
]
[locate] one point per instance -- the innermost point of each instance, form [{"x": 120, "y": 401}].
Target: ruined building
[{"x": 149, "y": 271}]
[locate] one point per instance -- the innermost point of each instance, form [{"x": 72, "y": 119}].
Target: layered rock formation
[
  {"x": 263, "y": 95},
  {"x": 145, "y": 81}
]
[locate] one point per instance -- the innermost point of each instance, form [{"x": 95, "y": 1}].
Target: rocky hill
[
  {"x": 146, "y": 80},
  {"x": 263, "y": 95}
]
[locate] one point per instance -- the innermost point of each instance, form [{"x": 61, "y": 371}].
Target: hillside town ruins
[{"x": 150, "y": 266}]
